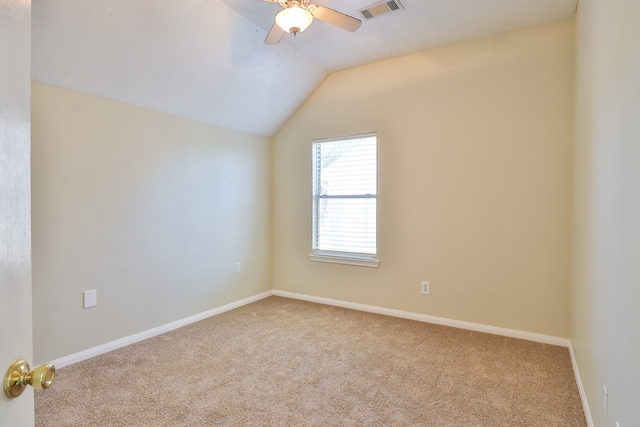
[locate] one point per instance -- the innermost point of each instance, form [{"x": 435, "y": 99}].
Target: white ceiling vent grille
[{"x": 381, "y": 8}]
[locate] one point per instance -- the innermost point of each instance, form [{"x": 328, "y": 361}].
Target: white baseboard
[
  {"x": 122, "y": 342},
  {"x": 478, "y": 327},
  {"x": 583, "y": 395}
]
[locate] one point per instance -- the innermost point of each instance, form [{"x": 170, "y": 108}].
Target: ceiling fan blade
[
  {"x": 274, "y": 35},
  {"x": 334, "y": 17}
]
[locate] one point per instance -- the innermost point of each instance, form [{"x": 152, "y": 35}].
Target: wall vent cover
[{"x": 381, "y": 8}]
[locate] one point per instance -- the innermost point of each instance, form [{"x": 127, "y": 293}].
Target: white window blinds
[{"x": 345, "y": 196}]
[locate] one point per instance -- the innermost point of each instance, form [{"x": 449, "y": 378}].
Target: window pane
[
  {"x": 344, "y": 196},
  {"x": 348, "y": 167},
  {"x": 347, "y": 225}
]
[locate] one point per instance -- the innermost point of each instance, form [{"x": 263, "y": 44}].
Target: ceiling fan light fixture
[{"x": 294, "y": 19}]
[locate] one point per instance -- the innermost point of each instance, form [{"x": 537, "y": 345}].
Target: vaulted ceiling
[{"x": 206, "y": 60}]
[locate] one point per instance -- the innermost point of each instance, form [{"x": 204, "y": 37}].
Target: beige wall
[
  {"x": 474, "y": 181},
  {"x": 606, "y": 263},
  {"x": 151, "y": 210}
]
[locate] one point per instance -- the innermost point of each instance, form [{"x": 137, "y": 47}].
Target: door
[{"x": 15, "y": 206}]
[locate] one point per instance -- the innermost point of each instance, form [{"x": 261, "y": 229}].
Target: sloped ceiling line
[{"x": 206, "y": 60}]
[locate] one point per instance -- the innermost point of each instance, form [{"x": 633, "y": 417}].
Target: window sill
[{"x": 362, "y": 262}]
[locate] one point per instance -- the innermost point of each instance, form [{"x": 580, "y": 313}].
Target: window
[{"x": 345, "y": 200}]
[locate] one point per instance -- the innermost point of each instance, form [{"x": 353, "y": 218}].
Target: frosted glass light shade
[{"x": 294, "y": 19}]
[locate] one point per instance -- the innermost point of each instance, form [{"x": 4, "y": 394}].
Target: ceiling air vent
[{"x": 380, "y": 8}]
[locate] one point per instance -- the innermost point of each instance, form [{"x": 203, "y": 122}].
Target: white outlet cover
[
  {"x": 425, "y": 288},
  {"x": 90, "y": 298}
]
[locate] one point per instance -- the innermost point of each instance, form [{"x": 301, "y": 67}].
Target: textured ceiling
[{"x": 206, "y": 60}]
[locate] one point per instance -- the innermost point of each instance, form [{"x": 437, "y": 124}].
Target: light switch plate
[{"x": 90, "y": 298}]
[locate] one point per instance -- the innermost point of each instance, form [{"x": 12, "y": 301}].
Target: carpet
[{"x": 284, "y": 362}]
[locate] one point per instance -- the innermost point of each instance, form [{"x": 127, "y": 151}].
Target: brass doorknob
[{"x": 19, "y": 376}]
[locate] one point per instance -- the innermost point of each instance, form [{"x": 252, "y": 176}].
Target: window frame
[{"x": 340, "y": 257}]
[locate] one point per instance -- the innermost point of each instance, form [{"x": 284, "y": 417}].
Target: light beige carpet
[{"x": 282, "y": 362}]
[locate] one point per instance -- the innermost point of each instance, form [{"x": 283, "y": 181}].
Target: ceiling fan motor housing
[
  {"x": 297, "y": 15},
  {"x": 294, "y": 18}
]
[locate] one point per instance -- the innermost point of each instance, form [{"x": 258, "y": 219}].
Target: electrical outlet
[
  {"x": 617, "y": 423},
  {"x": 238, "y": 267},
  {"x": 90, "y": 298},
  {"x": 605, "y": 401},
  {"x": 425, "y": 288}
]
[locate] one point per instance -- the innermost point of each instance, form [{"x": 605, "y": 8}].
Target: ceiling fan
[{"x": 297, "y": 15}]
